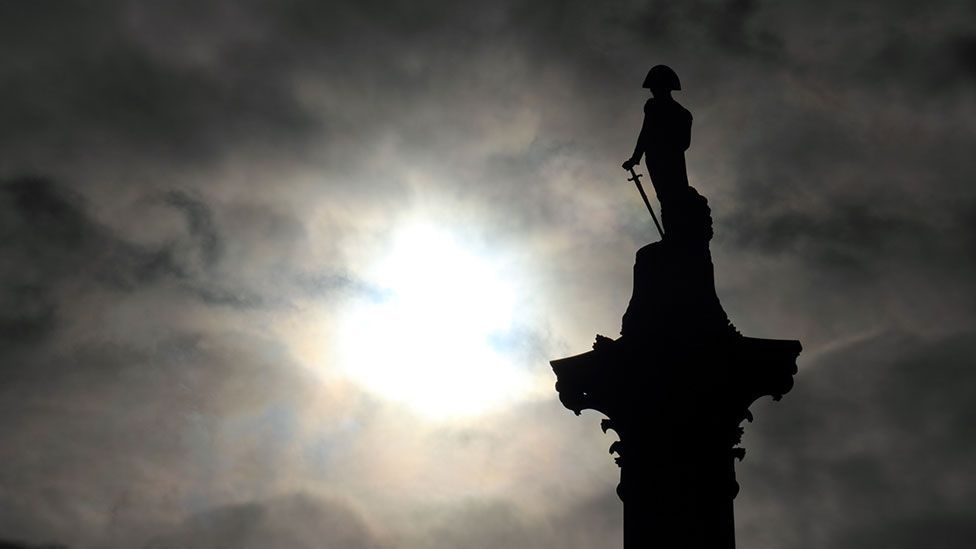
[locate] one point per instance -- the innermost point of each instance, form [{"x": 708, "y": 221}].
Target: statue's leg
[
  {"x": 668, "y": 172},
  {"x": 670, "y": 179}
]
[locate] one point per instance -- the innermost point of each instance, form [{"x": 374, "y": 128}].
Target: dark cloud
[
  {"x": 944, "y": 529},
  {"x": 964, "y": 50},
  {"x": 294, "y": 522},
  {"x": 51, "y": 239},
  {"x": 873, "y": 441},
  {"x": 83, "y": 74},
  {"x": 108, "y": 440},
  {"x": 6, "y": 544},
  {"x": 200, "y": 224},
  {"x": 483, "y": 524},
  {"x": 46, "y": 238},
  {"x": 305, "y": 521}
]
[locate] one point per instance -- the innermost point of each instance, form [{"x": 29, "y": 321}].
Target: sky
[{"x": 289, "y": 274}]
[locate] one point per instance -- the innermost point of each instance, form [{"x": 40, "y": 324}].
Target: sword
[{"x": 635, "y": 177}]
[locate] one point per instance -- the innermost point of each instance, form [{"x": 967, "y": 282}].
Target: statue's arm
[
  {"x": 642, "y": 140},
  {"x": 641, "y": 146}
]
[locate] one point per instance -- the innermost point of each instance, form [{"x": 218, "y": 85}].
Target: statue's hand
[{"x": 629, "y": 163}]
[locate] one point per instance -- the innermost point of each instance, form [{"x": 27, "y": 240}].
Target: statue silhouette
[
  {"x": 664, "y": 137},
  {"x": 679, "y": 381}
]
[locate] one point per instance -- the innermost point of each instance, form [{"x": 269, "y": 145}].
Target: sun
[{"x": 430, "y": 339}]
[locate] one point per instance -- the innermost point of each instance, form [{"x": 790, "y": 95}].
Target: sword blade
[{"x": 636, "y": 179}]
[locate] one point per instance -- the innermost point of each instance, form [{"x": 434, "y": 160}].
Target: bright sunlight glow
[{"x": 431, "y": 340}]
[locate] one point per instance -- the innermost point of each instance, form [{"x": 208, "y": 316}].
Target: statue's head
[{"x": 661, "y": 78}]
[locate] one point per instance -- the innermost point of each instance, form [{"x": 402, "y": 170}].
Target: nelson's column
[{"x": 678, "y": 382}]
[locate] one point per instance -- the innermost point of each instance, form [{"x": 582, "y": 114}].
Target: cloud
[
  {"x": 485, "y": 524},
  {"x": 52, "y": 240},
  {"x": 7, "y": 544},
  {"x": 296, "y": 521},
  {"x": 301, "y": 520},
  {"x": 112, "y": 439},
  {"x": 873, "y": 440},
  {"x": 117, "y": 93}
]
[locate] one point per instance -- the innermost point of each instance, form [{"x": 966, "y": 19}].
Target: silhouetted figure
[
  {"x": 679, "y": 381},
  {"x": 664, "y": 136}
]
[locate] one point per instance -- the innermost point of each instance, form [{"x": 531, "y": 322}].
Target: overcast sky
[{"x": 211, "y": 214}]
